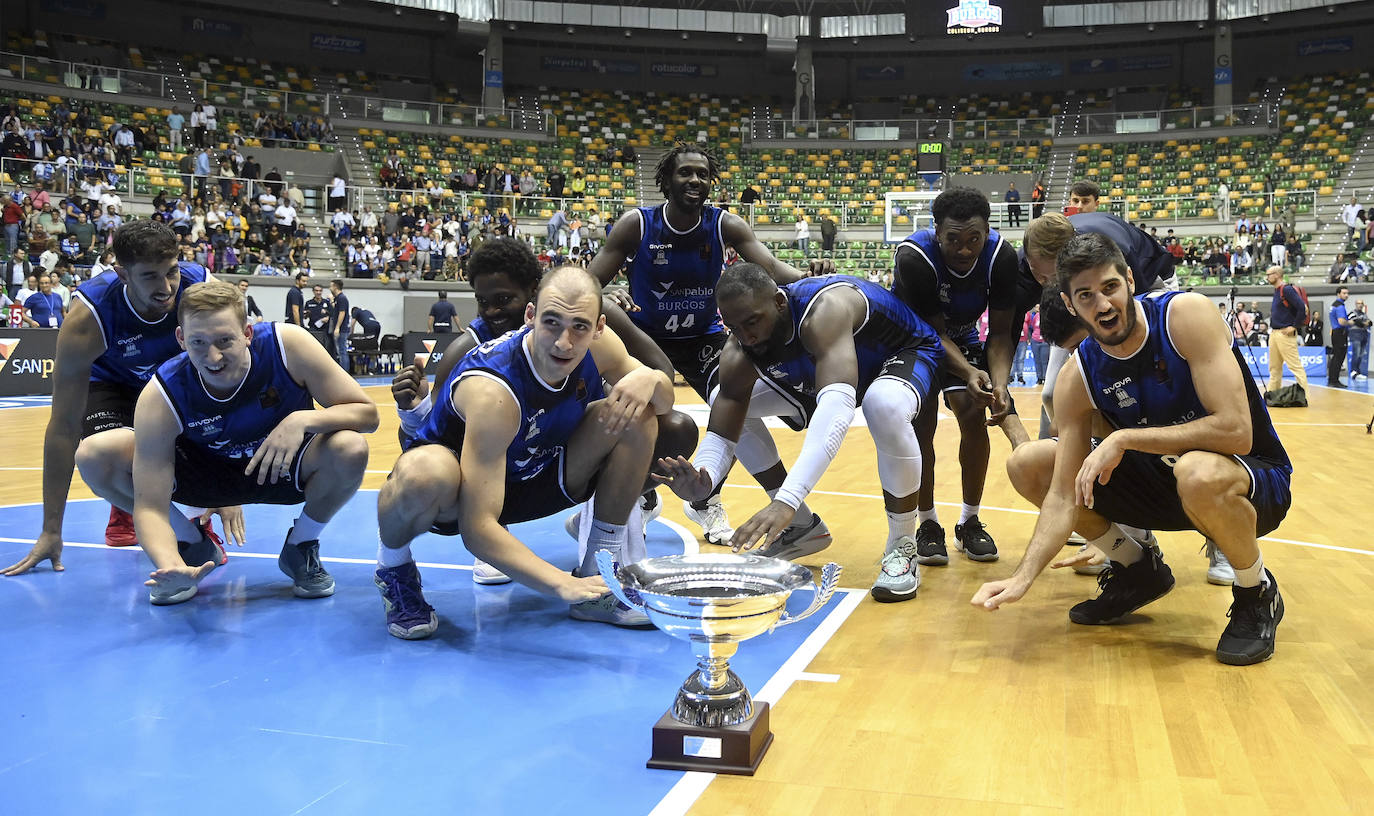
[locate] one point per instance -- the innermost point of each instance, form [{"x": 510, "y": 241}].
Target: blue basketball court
[{"x": 248, "y": 700}]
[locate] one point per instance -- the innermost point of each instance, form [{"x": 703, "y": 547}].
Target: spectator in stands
[
  {"x": 1083, "y": 197},
  {"x": 85, "y": 233},
  {"x": 1038, "y": 196},
  {"x": 60, "y": 278},
  {"x": 17, "y": 270},
  {"x": 198, "y": 126},
  {"x": 1293, "y": 251},
  {"x": 828, "y": 233},
  {"x": 296, "y": 196},
  {"x": 285, "y": 216},
  {"x": 13, "y": 220},
  {"x": 104, "y": 263},
  {"x": 175, "y": 123},
  {"x": 1350, "y": 217},
  {"x": 555, "y": 182},
  {"x": 1012, "y": 198},
  {"x": 273, "y": 180},
  {"x": 528, "y": 185},
  {"x": 1242, "y": 263},
  {"x": 749, "y": 196},
  {"x": 43, "y": 309},
  {"x": 802, "y": 234},
  {"x": 558, "y": 225},
  {"x": 338, "y": 194}
]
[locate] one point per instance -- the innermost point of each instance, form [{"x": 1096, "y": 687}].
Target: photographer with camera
[{"x": 1360, "y": 323}]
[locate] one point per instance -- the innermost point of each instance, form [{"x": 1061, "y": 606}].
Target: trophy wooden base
[{"x": 732, "y": 749}]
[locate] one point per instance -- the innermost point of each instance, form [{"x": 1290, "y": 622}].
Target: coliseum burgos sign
[{"x": 973, "y": 17}]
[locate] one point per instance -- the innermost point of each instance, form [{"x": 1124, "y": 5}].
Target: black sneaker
[
  {"x": 1125, "y": 589},
  {"x": 930, "y": 544},
  {"x": 1255, "y": 614},
  {"x": 972, "y": 537}
]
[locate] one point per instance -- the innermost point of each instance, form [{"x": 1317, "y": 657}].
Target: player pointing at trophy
[{"x": 811, "y": 351}]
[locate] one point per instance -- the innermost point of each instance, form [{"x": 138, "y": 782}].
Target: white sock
[
  {"x": 1251, "y": 576},
  {"x": 602, "y": 535},
  {"x": 803, "y": 515},
  {"x": 393, "y": 556},
  {"x": 898, "y": 525},
  {"x": 922, "y": 516},
  {"x": 1118, "y": 546},
  {"x": 186, "y": 529},
  {"x": 1138, "y": 533},
  {"x": 968, "y": 511},
  {"x": 305, "y": 529}
]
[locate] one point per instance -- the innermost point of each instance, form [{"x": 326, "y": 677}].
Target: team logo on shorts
[{"x": 7, "y": 346}]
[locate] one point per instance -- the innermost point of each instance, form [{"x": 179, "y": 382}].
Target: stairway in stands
[{"x": 1328, "y": 240}]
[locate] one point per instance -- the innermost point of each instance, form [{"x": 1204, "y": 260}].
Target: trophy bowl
[{"x": 714, "y": 601}]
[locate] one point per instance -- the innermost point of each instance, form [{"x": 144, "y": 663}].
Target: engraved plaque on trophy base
[{"x": 730, "y": 749}]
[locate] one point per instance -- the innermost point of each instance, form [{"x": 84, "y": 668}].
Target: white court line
[
  {"x": 817, "y": 677},
  {"x": 693, "y": 783},
  {"x": 235, "y": 552},
  {"x": 332, "y": 737}
]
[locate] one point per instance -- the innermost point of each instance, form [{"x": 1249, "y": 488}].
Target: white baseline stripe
[
  {"x": 237, "y": 553},
  {"x": 693, "y": 783},
  {"x": 816, "y": 677}
]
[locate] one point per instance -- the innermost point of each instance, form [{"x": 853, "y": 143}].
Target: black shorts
[
  {"x": 108, "y": 406},
  {"x": 916, "y": 366},
  {"x": 537, "y": 497},
  {"x": 697, "y": 359},
  {"x": 977, "y": 356},
  {"x": 1144, "y": 493},
  {"x": 205, "y": 479}
]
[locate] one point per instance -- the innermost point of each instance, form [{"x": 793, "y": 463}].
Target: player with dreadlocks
[{"x": 675, "y": 253}]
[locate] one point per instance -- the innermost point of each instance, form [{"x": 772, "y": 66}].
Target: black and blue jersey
[
  {"x": 673, "y": 275},
  {"x": 1153, "y": 388},
  {"x": 961, "y": 297},
  {"x": 889, "y": 327},
  {"x": 134, "y": 347},
  {"x": 549, "y": 412},
  {"x": 234, "y": 426}
]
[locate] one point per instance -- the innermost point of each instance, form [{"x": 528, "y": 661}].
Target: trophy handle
[
  {"x": 605, "y": 562},
  {"x": 830, "y": 578}
]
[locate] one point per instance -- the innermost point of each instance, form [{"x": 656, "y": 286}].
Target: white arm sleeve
[
  {"x": 412, "y": 420},
  {"x": 716, "y": 454},
  {"x": 829, "y": 423}
]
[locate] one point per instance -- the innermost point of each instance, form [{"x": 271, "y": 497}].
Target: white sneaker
[
  {"x": 485, "y": 574},
  {"x": 1219, "y": 569},
  {"x": 715, "y": 526},
  {"x": 900, "y": 575},
  {"x": 607, "y": 609},
  {"x": 799, "y": 540}
]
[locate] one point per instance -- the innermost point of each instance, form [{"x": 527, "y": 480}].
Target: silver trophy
[{"x": 714, "y": 601}]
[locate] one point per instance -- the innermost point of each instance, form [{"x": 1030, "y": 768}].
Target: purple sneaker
[{"x": 407, "y": 615}]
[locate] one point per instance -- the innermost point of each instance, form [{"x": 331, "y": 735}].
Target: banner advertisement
[{"x": 26, "y": 361}]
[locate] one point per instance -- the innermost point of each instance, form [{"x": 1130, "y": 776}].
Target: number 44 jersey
[{"x": 673, "y": 276}]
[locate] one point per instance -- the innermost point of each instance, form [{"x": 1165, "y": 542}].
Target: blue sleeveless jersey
[
  {"x": 548, "y": 413},
  {"x": 890, "y": 327},
  {"x": 1154, "y": 387},
  {"x": 673, "y": 276},
  {"x": 236, "y": 425},
  {"x": 134, "y": 348},
  {"x": 480, "y": 331},
  {"x": 963, "y": 298}
]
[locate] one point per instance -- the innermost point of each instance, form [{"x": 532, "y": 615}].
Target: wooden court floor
[{"x": 934, "y": 706}]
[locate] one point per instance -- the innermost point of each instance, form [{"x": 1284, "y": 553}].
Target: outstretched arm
[
  {"x": 1059, "y": 511},
  {"x": 827, "y": 333},
  {"x": 79, "y": 343}
]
